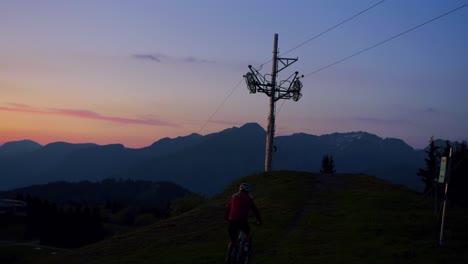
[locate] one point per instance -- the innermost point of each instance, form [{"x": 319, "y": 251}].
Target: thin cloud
[
  {"x": 79, "y": 113},
  {"x": 18, "y": 105},
  {"x": 196, "y": 60},
  {"x": 162, "y": 58},
  {"x": 430, "y": 110},
  {"x": 150, "y": 57}
]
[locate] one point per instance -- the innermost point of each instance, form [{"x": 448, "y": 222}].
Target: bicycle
[{"x": 241, "y": 252}]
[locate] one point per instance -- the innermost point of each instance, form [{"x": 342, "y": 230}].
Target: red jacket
[{"x": 239, "y": 206}]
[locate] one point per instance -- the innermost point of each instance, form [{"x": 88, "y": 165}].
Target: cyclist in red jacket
[{"x": 236, "y": 213}]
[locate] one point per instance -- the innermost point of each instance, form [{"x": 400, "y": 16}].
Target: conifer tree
[
  {"x": 429, "y": 173},
  {"x": 328, "y": 165}
]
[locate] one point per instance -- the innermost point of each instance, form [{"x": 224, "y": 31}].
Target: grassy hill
[{"x": 308, "y": 218}]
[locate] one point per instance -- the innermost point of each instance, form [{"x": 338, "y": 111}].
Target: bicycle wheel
[
  {"x": 247, "y": 250},
  {"x": 232, "y": 258},
  {"x": 243, "y": 249}
]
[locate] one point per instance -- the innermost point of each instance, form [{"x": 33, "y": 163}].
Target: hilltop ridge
[{"x": 308, "y": 218}]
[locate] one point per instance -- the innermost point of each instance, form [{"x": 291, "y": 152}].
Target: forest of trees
[
  {"x": 70, "y": 215},
  {"x": 66, "y": 225},
  {"x": 137, "y": 193}
]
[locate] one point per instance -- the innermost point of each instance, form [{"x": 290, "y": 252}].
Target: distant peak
[
  {"x": 22, "y": 142},
  {"x": 252, "y": 126},
  {"x": 21, "y": 146},
  {"x": 57, "y": 143},
  {"x": 168, "y": 139},
  {"x": 62, "y": 143},
  {"x": 193, "y": 135},
  {"x": 356, "y": 134},
  {"x": 302, "y": 134},
  {"x": 118, "y": 145},
  {"x": 360, "y": 134}
]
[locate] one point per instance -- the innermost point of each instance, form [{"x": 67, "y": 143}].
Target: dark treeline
[
  {"x": 146, "y": 194},
  {"x": 64, "y": 214},
  {"x": 65, "y": 225}
]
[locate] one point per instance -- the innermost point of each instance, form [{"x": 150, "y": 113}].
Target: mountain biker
[{"x": 236, "y": 213}]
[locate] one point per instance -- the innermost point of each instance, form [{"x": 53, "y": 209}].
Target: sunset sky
[{"x": 133, "y": 72}]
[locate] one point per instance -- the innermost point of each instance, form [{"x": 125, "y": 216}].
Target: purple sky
[{"x": 132, "y": 72}]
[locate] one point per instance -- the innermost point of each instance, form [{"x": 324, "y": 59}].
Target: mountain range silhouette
[{"x": 207, "y": 164}]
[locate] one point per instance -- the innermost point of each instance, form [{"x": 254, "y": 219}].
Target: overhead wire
[
  {"x": 329, "y": 29},
  {"x": 345, "y": 58},
  {"x": 386, "y": 40},
  {"x": 379, "y": 43},
  {"x": 323, "y": 33},
  {"x": 335, "y": 26},
  {"x": 296, "y": 47},
  {"x": 281, "y": 107},
  {"x": 221, "y": 105}
]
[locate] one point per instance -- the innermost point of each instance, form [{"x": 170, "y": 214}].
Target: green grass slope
[{"x": 308, "y": 218}]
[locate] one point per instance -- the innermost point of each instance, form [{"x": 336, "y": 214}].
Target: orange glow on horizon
[{"x": 45, "y": 128}]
